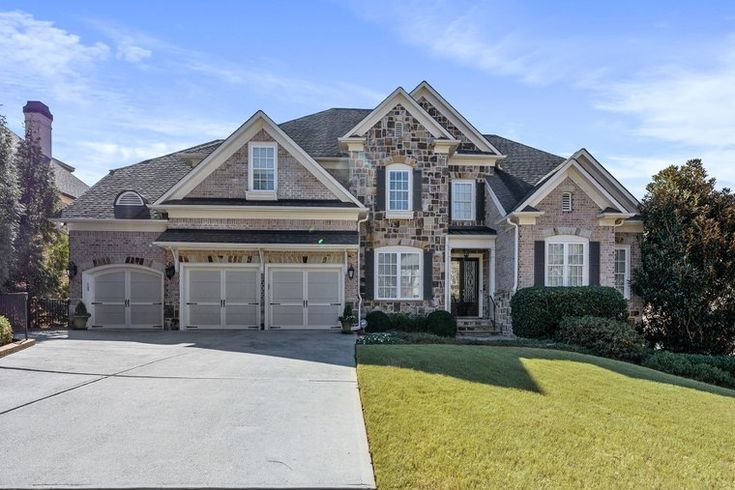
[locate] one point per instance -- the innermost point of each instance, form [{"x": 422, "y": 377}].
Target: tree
[
  {"x": 35, "y": 230},
  {"x": 687, "y": 278},
  {"x": 9, "y": 207}
]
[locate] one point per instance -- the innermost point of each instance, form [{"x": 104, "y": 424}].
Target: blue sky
[{"x": 639, "y": 84}]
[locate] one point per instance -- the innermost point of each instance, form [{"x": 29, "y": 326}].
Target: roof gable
[
  {"x": 399, "y": 96},
  {"x": 258, "y": 122},
  {"x": 453, "y": 116}
]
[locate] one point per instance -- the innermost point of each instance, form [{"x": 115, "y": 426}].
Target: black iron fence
[
  {"x": 49, "y": 313},
  {"x": 14, "y": 307}
]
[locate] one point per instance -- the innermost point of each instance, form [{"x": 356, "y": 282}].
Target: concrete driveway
[{"x": 183, "y": 409}]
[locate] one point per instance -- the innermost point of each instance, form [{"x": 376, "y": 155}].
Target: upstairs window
[
  {"x": 398, "y": 183},
  {"x": 263, "y": 167},
  {"x": 129, "y": 198},
  {"x": 566, "y": 202},
  {"x": 463, "y": 200},
  {"x": 566, "y": 261}
]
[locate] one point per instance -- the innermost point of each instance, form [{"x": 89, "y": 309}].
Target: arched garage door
[{"x": 124, "y": 297}]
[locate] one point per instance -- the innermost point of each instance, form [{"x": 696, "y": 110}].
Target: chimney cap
[{"x": 38, "y": 107}]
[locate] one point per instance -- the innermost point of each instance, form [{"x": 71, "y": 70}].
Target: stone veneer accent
[
  {"x": 230, "y": 180},
  {"x": 444, "y": 122}
]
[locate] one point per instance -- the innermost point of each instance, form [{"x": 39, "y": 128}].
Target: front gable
[{"x": 224, "y": 174}]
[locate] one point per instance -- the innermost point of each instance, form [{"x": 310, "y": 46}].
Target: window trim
[
  {"x": 398, "y": 213},
  {"x": 398, "y": 251},
  {"x": 567, "y": 240},
  {"x": 473, "y": 202},
  {"x": 626, "y": 286},
  {"x": 261, "y": 194},
  {"x": 129, "y": 193}
]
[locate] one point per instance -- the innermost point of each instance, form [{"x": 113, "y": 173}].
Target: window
[
  {"x": 399, "y": 187},
  {"x": 566, "y": 261},
  {"x": 129, "y": 198},
  {"x": 622, "y": 270},
  {"x": 566, "y": 202},
  {"x": 463, "y": 200},
  {"x": 398, "y": 273},
  {"x": 263, "y": 166}
]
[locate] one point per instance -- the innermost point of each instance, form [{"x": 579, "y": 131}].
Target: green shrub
[
  {"x": 441, "y": 323},
  {"x": 726, "y": 363},
  {"x": 408, "y": 322},
  {"x": 377, "y": 321},
  {"x": 603, "y": 337},
  {"x": 380, "y": 338},
  {"x": 537, "y": 311},
  {"x": 81, "y": 309},
  {"x": 681, "y": 365},
  {"x": 6, "y": 331}
]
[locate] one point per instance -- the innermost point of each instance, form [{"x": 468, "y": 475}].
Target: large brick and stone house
[{"x": 405, "y": 208}]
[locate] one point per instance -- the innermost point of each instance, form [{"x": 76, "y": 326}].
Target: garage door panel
[
  {"x": 287, "y": 316},
  {"x": 241, "y": 315},
  {"x": 288, "y": 286},
  {"x": 144, "y": 287},
  {"x": 223, "y": 297},
  {"x": 110, "y": 287},
  {"x": 204, "y": 314},
  {"x": 322, "y": 315},
  {"x": 242, "y": 286},
  {"x": 205, "y": 286},
  {"x": 145, "y": 315},
  {"x": 109, "y": 315},
  {"x": 323, "y": 286}
]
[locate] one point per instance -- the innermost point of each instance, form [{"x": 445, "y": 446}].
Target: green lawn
[{"x": 450, "y": 416}]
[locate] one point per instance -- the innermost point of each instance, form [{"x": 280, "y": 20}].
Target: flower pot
[
  {"x": 79, "y": 322},
  {"x": 346, "y": 326}
]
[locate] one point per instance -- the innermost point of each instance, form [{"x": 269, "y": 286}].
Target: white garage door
[
  {"x": 125, "y": 297},
  {"x": 309, "y": 298},
  {"x": 216, "y": 297}
]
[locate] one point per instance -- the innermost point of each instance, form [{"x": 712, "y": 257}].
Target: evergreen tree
[
  {"x": 687, "y": 278},
  {"x": 9, "y": 207},
  {"x": 35, "y": 231}
]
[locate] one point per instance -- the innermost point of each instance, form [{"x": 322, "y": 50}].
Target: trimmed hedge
[
  {"x": 441, "y": 323},
  {"x": 726, "y": 363},
  {"x": 603, "y": 337},
  {"x": 537, "y": 311},
  {"x": 681, "y": 365},
  {"x": 377, "y": 321},
  {"x": 408, "y": 322},
  {"x": 6, "y": 331}
]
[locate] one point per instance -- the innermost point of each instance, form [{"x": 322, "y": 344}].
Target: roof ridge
[
  {"x": 523, "y": 144},
  {"x": 149, "y": 160},
  {"x": 324, "y": 111}
]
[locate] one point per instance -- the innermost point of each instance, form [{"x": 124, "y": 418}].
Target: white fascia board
[
  {"x": 610, "y": 177},
  {"x": 484, "y": 242},
  {"x": 263, "y": 212},
  {"x": 88, "y": 224},
  {"x": 255, "y": 246},
  {"x": 399, "y": 96},
  {"x": 474, "y": 159},
  {"x": 457, "y": 119}
]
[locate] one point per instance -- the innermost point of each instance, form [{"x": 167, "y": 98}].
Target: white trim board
[
  {"x": 288, "y": 247},
  {"x": 241, "y": 136},
  {"x": 141, "y": 225}
]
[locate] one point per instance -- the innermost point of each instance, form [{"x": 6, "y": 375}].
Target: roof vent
[
  {"x": 566, "y": 202},
  {"x": 129, "y": 198}
]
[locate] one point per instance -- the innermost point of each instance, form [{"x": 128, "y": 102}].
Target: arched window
[
  {"x": 129, "y": 198},
  {"x": 566, "y": 202}
]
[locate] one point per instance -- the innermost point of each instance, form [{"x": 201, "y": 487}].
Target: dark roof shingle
[{"x": 317, "y": 133}]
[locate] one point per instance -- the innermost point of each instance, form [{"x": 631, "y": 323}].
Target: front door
[{"x": 465, "y": 286}]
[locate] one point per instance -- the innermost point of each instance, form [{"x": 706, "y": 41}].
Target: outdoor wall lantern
[
  {"x": 72, "y": 269},
  {"x": 350, "y": 271},
  {"x": 170, "y": 270}
]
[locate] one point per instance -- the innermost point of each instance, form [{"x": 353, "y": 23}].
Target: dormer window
[
  {"x": 263, "y": 171},
  {"x": 566, "y": 202},
  {"x": 129, "y": 198}
]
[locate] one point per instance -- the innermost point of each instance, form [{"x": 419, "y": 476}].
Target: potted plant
[
  {"x": 80, "y": 317},
  {"x": 347, "y": 318}
]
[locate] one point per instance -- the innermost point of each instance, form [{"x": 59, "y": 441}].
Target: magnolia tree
[{"x": 687, "y": 278}]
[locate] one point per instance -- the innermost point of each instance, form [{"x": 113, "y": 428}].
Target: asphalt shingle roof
[{"x": 317, "y": 133}]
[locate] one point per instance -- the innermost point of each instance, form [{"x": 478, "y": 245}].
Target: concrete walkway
[{"x": 183, "y": 409}]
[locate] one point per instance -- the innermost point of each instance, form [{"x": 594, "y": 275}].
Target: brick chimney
[{"x": 39, "y": 117}]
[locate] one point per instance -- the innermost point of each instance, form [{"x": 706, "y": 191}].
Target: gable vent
[
  {"x": 129, "y": 198},
  {"x": 566, "y": 202}
]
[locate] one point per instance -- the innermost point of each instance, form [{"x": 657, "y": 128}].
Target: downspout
[
  {"x": 359, "y": 295},
  {"x": 515, "y": 255}
]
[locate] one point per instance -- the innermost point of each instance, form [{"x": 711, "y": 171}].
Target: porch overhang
[
  {"x": 477, "y": 237},
  {"x": 307, "y": 240}
]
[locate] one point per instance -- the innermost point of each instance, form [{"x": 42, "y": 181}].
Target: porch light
[
  {"x": 170, "y": 270},
  {"x": 351, "y": 272},
  {"x": 72, "y": 269}
]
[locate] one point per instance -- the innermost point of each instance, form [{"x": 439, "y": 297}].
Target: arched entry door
[{"x": 124, "y": 296}]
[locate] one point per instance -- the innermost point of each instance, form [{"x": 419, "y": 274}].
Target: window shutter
[
  {"x": 594, "y": 264},
  {"x": 449, "y": 196},
  {"x": 417, "y": 189},
  {"x": 380, "y": 189},
  {"x": 539, "y": 256},
  {"x": 428, "y": 275},
  {"x": 369, "y": 271},
  {"x": 480, "y": 203}
]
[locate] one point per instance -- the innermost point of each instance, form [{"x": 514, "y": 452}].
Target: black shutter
[
  {"x": 594, "y": 263},
  {"x": 380, "y": 189},
  {"x": 417, "y": 189},
  {"x": 539, "y": 255},
  {"x": 428, "y": 275},
  {"x": 480, "y": 203},
  {"x": 369, "y": 271},
  {"x": 449, "y": 196}
]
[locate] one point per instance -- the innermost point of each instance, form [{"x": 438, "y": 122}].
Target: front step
[{"x": 474, "y": 326}]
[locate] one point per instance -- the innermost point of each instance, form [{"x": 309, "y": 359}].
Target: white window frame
[
  {"x": 398, "y": 213},
  {"x": 626, "y": 287},
  {"x": 571, "y": 202},
  {"x": 118, "y": 201},
  {"x": 473, "y": 203},
  {"x": 262, "y": 194},
  {"x": 398, "y": 251},
  {"x": 566, "y": 240}
]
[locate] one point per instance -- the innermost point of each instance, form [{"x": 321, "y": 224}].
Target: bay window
[
  {"x": 398, "y": 272},
  {"x": 566, "y": 261}
]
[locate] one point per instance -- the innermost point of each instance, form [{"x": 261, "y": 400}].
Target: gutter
[
  {"x": 359, "y": 295},
  {"x": 515, "y": 255}
]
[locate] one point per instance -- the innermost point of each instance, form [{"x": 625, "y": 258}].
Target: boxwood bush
[
  {"x": 414, "y": 322},
  {"x": 603, "y": 337},
  {"x": 537, "y": 311},
  {"x": 377, "y": 321},
  {"x": 681, "y": 365},
  {"x": 6, "y": 331},
  {"x": 441, "y": 323}
]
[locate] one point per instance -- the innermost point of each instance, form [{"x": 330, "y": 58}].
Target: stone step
[{"x": 476, "y": 326}]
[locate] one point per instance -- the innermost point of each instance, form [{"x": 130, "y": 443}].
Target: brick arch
[
  {"x": 120, "y": 259},
  {"x": 398, "y": 158},
  {"x": 402, "y": 242},
  {"x": 567, "y": 230}
]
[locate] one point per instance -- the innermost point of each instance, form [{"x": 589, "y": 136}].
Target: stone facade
[
  {"x": 436, "y": 114},
  {"x": 230, "y": 180}
]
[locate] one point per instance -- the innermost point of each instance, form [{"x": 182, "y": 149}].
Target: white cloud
[{"x": 131, "y": 53}]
